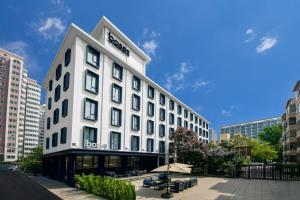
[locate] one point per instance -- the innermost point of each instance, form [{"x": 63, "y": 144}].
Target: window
[
  {"x": 179, "y": 109},
  {"x": 150, "y": 127},
  {"x": 47, "y": 143},
  {"x": 185, "y": 124},
  {"x": 136, "y": 102},
  {"x": 185, "y": 113},
  {"x": 162, "y": 114},
  {"x": 191, "y": 126},
  {"x": 136, "y": 83},
  {"x": 196, "y": 120},
  {"x": 64, "y": 110},
  {"x": 58, "y": 72},
  {"x": 66, "y": 81},
  {"x": 135, "y": 123},
  {"x": 89, "y": 136},
  {"x": 196, "y": 129},
  {"x": 162, "y": 99},
  {"x": 57, "y": 93},
  {"x": 150, "y": 92},
  {"x": 200, "y": 122},
  {"x": 149, "y": 145},
  {"x": 92, "y": 56},
  {"x": 48, "y": 123},
  {"x": 115, "y": 141},
  {"x": 90, "y": 109},
  {"x": 56, "y": 116},
  {"x": 203, "y": 133},
  {"x": 50, "y": 85},
  {"x": 116, "y": 117},
  {"x": 49, "y": 103},
  {"x": 171, "y": 104},
  {"x": 91, "y": 82},
  {"x": 67, "y": 57},
  {"x": 150, "y": 109},
  {"x": 171, "y": 132},
  {"x": 63, "y": 135},
  {"x": 117, "y": 72},
  {"x": 171, "y": 118},
  {"x": 200, "y": 131},
  {"x": 161, "y": 147},
  {"x": 191, "y": 116},
  {"x": 116, "y": 95},
  {"x": 162, "y": 130},
  {"x": 135, "y": 143},
  {"x": 179, "y": 122},
  {"x": 54, "y": 139}
]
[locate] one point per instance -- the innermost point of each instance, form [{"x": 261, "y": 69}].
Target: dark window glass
[
  {"x": 135, "y": 143},
  {"x": 116, "y": 117},
  {"x": 56, "y": 116},
  {"x": 196, "y": 120},
  {"x": 47, "y": 143},
  {"x": 57, "y": 93},
  {"x": 191, "y": 126},
  {"x": 162, "y": 130},
  {"x": 162, "y": 99},
  {"x": 49, "y": 103},
  {"x": 185, "y": 124},
  {"x": 116, "y": 95},
  {"x": 58, "y": 72},
  {"x": 171, "y": 104},
  {"x": 117, "y": 72},
  {"x": 89, "y": 136},
  {"x": 135, "y": 123},
  {"x": 150, "y": 109},
  {"x": 64, "y": 109},
  {"x": 93, "y": 56},
  {"x": 66, "y": 81},
  {"x": 90, "y": 109},
  {"x": 191, "y": 116},
  {"x": 162, "y": 114},
  {"x": 48, "y": 123},
  {"x": 200, "y": 122},
  {"x": 179, "y": 122},
  {"x": 149, "y": 145},
  {"x": 150, "y": 127},
  {"x": 171, "y": 118},
  {"x": 185, "y": 113},
  {"x": 63, "y": 135},
  {"x": 50, "y": 85},
  {"x": 161, "y": 147},
  {"x": 179, "y": 110},
  {"x": 136, "y": 83},
  {"x": 136, "y": 101},
  {"x": 115, "y": 141},
  {"x": 171, "y": 132},
  {"x": 150, "y": 92},
  {"x": 54, "y": 139},
  {"x": 91, "y": 81},
  {"x": 67, "y": 57}
]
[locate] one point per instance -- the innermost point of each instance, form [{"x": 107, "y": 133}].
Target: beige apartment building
[
  {"x": 291, "y": 128},
  {"x": 16, "y": 95}
]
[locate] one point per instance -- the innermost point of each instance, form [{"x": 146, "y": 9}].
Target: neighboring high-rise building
[
  {"x": 212, "y": 136},
  {"x": 13, "y": 101},
  {"x": 103, "y": 113},
  {"x": 250, "y": 129},
  {"x": 291, "y": 128},
  {"x": 42, "y": 124}
]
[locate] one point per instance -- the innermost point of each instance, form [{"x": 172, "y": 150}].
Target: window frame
[
  {"x": 148, "y": 110},
  {"x": 150, "y": 123},
  {"x": 92, "y": 75},
  {"x": 162, "y": 117},
  {"x": 119, "y": 140},
  {"x": 162, "y": 99},
  {"x": 57, "y": 93},
  {"x": 138, "y": 123},
  {"x": 58, "y": 72},
  {"x": 138, "y": 143},
  {"x": 150, "y": 88},
  {"x": 139, "y": 102},
  {"x": 162, "y": 128},
  {"x": 56, "y": 116},
  {"x": 135, "y": 78},
  {"x": 112, "y": 92},
  {"x": 95, "y": 131},
  {"x": 68, "y": 55},
  {"x": 118, "y": 67},
  {"x": 120, "y": 117},
  {"x": 96, "y": 109},
  {"x": 64, "y": 107},
  {"x": 93, "y": 51},
  {"x": 54, "y": 139},
  {"x": 66, "y": 83},
  {"x": 63, "y": 135}
]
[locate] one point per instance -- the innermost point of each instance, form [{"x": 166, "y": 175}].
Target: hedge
[{"x": 107, "y": 187}]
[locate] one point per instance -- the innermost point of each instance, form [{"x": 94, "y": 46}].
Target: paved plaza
[{"x": 209, "y": 188}]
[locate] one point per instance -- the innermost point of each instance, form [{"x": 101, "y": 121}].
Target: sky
[{"x": 231, "y": 61}]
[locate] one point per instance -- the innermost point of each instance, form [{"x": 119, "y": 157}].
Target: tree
[
  {"x": 33, "y": 162},
  {"x": 188, "y": 148},
  {"x": 271, "y": 135},
  {"x": 262, "y": 152},
  {"x": 240, "y": 141}
]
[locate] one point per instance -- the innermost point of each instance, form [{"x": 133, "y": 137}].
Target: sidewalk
[{"x": 64, "y": 191}]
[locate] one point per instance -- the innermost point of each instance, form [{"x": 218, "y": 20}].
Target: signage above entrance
[{"x": 117, "y": 44}]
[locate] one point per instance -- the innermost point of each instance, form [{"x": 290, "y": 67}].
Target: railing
[{"x": 269, "y": 172}]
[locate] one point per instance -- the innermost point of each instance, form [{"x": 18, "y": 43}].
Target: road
[{"x": 16, "y": 186}]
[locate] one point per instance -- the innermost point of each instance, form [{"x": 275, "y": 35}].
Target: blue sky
[{"x": 232, "y": 61}]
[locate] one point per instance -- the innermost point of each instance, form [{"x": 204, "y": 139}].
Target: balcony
[{"x": 291, "y": 127}]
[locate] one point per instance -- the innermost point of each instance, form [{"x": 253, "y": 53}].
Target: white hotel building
[{"x": 102, "y": 112}]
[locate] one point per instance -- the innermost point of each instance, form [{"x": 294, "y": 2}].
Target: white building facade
[
  {"x": 41, "y": 124},
  {"x": 102, "y": 112}
]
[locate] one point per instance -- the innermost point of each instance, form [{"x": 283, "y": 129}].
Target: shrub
[{"x": 107, "y": 187}]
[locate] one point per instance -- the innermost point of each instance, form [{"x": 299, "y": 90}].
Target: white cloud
[
  {"x": 150, "y": 47},
  {"x": 176, "y": 81},
  {"x": 22, "y": 49},
  {"x": 51, "y": 28},
  {"x": 228, "y": 112},
  {"x": 199, "y": 84},
  {"x": 62, "y": 6},
  {"x": 250, "y": 35},
  {"x": 267, "y": 43}
]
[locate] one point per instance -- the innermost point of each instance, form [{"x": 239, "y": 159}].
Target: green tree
[
  {"x": 33, "y": 162},
  {"x": 262, "y": 152}
]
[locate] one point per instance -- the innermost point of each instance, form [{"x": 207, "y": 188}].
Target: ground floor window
[
  {"x": 133, "y": 162},
  {"x": 112, "y": 161},
  {"x": 87, "y": 162}
]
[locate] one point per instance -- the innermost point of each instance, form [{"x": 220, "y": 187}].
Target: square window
[
  {"x": 93, "y": 56},
  {"x": 117, "y": 72},
  {"x": 89, "y": 136},
  {"x": 116, "y": 117},
  {"x": 90, "y": 109},
  {"x": 136, "y": 83},
  {"x": 115, "y": 141},
  {"x": 135, "y": 123},
  {"x": 116, "y": 95},
  {"x": 91, "y": 82}
]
